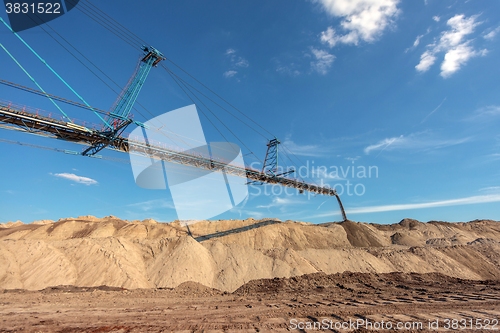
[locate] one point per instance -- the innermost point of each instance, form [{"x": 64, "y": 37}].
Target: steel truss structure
[{"x": 25, "y": 120}]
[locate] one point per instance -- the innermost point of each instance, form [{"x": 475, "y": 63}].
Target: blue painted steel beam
[
  {"x": 124, "y": 105},
  {"x": 53, "y": 71}
]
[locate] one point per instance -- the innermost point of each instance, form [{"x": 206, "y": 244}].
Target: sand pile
[{"x": 91, "y": 252}]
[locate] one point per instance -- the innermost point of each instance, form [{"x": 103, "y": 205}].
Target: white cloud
[
  {"x": 433, "y": 111},
  {"x": 417, "y": 40},
  {"x": 416, "y": 141},
  {"x": 235, "y": 62},
  {"x": 492, "y": 110},
  {"x": 152, "y": 205},
  {"x": 385, "y": 143},
  {"x": 281, "y": 202},
  {"x": 323, "y": 61},
  {"x": 303, "y": 150},
  {"x": 427, "y": 59},
  {"x": 443, "y": 203},
  {"x": 457, "y": 57},
  {"x": 328, "y": 37},
  {"x": 485, "y": 113},
  {"x": 460, "y": 26},
  {"x": 242, "y": 62},
  {"x": 452, "y": 43},
  {"x": 257, "y": 214},
  {"x": 477, "y": 199},
  {"x": 229, "y": 74},
  {"x": 491, "y": 189},
  {"x": 76, "y": 179},
  {"x": 362, "y": 20},
  {"x": 492, "y": 33},
  {"x": 275, "y": 202},
  {"x": 288, "y": 70},
  {"x": 436, "y": 18}
]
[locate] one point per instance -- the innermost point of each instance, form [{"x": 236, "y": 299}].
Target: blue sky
[{"x": 406, "y": 89}]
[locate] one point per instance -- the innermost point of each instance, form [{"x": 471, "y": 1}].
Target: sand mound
[
  {"x": 91, "y": 252},
  {"x": 347, "y": 281}
]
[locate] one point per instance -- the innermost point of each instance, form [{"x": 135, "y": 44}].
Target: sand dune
[{"x": 88, "y": 251}]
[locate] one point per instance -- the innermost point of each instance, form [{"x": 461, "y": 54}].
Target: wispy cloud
[
  {"x": 276, "y": 202},
  {"x": 304, "y": 150},
  {"x": 417, "y": 40},
  {"x": 257, "y": 214},
  {"x": 281, "y": 203},
  {"x": 491, "y": 189},
  {"x": 328, "y": 37},
  {"x": 427, "y": 59},
  {"x": 235, "y": 62},
  {"x": 152, "y": 205},
  {"x": 453, "y": 43},
  {"x": 472, "y": 200},
  {"x": 491, "y": 110},
  {"x": 75, "y": 178},
  {"x": 229, "y": 74},
  {"x": 495, "y": 156},
  {"x": 436, "y": 18},
  {"x": 416, "y": 141},
  {"x": 492, "y": 34},
  {"x": 290, "y": 69},
  {"x": 478, "y": 199},
  {"x": 485, "y": 113},
  {"x": 433, "y": 111},
  {"x": 322, "y": 61},
  {"x": 323, "y": 174},
  {"x": 362, "y": 20},
  {"x": 386, "y": 143},
  {"x": 241, "y": 63}
]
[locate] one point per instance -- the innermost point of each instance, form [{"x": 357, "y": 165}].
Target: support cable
[
  {"x": 43, "y": 92},
  {"x": 95, "y": 74},
  {"x": 50, "y": 96},
  {"x": 300, "y": 162},
  {"x": 105, "y": 24},
  {"x": 121, "y": 26},
  {"x": 122, "y": 32},
  {"x": 80, "y": 61},
  {"x": 225, "y": 101},
  {"x": 53, "y": 71},
  {"x": 211, "y": 100},
  {"x": 94, "y": 65},
  {"x": 213, "y": 114},
  {"x": 129, "y": 37},
  {"x": 192, "y": 101},
  {"x": 59, "y": 150}
]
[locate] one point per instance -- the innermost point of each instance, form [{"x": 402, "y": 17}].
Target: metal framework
[
  {"x": 21, "y": 119},
  {"x": 119, "y": 118},
  {"x": 126, "y": 100},
  {"x": 115, "y": 122},
  {"x": 271, "y": 161}
]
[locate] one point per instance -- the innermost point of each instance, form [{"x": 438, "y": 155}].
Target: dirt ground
[{"x": 346, "y": 302}]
